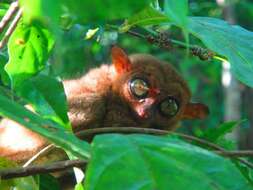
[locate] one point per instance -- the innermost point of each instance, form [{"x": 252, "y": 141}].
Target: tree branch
[
  {"x": 87, "y": 133},
  {"x": 238, "y": 153},
  {"x": 33, "y": 170}
]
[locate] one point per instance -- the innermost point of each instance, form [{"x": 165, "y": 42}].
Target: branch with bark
[{"x": 89, "y": 133}]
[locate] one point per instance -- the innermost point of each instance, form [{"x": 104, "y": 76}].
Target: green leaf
[
  {"x": 54, "y": 132},
  {"x": 148, "y": 16},
  {"x": 233, "y": 42},
  {"x": 177, "y": 11},
  {"x": 41, "y": 10},
  {"x": 29, "y": 48},
  {"x": 48, "y": 182},
  {"x": 79, "y": 186},
  {"x": 24, "y": 183},
  {"x": 213, "y": 134},
  {"x": 97, "y": 10},
  {"x": 47, "y": 97},
  {"x": 148, "y": 162},
  {"x": 3, "y": 8},
  {"x": 3, "y": 73}
]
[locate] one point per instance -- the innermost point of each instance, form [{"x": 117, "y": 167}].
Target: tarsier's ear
[
  {"x": 195, "y": 111},
  {"x": 120, "y": 60}
]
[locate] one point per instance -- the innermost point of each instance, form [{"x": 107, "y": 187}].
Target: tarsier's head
[{"x": 154, "y": 91}]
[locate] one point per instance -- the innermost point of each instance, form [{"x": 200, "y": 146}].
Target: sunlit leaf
[
  {"x": 79, "y": 186},
  {"x": 91, "y": 33},
  {"x": 46, "y": 128},
  {"x": 148, "y": 16},
  {"x": 148, "y": 162},
  {"x": 233, "y": 42},
  {"x": 29, "y": 48},
  {"x": 46, "y": 95}
]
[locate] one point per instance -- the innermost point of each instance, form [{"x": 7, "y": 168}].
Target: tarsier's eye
[
  {"x": 139, "y": 87},
  {"x": 169, "y": 107}
]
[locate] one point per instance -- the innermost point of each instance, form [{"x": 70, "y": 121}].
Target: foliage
[
  {"x": 26, "y": 183},
  {"x": 50, "y": 39},
  {"x": 165, "y": 163}
]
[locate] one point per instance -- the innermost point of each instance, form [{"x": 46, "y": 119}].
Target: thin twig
[
  {"x": 127, "y": 130},
  {"x": 163, "y": 41},
  {"x": 42, "y": 152},
  {"x": 33, "y": 170},
  {"x": 234, "y": 154},
  {"x": 8, "y": 15},
  {"x": 11, "y": 29}
]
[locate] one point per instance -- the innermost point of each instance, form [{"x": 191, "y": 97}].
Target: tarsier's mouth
[{"x": 167, "y": 107}]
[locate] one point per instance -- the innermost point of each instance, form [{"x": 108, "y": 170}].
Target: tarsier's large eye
[
  {"x": 139, "y": 87},
  {"x": 169, "y": 107}
]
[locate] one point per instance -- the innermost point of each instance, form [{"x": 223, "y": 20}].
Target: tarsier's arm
[
  {"x": 137, "y": 90},
  {"x": 86, "y": 111}
]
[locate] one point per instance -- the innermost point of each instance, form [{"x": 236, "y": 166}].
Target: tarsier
[{"x": 134, "y": 91}]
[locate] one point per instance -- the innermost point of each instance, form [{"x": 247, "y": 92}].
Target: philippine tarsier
[{"x": 134, "y": 91}]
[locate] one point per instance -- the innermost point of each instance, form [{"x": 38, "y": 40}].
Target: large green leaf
[
  {"x": 50, "y": 130},
  {"x": 29, "y": 48},
  {"x": 177, "y": 11},
  {"x": 46, "y": 95},
  {"x": 148, "y": 162},
  {"x": 233, "y": 42}
]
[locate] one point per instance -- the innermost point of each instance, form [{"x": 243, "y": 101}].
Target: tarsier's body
[{"x": 135, "y": 91}]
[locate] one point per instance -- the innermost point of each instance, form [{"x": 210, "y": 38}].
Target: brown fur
[{"x": 101, "y": 98}]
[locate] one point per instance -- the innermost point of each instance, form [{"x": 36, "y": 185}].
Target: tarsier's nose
[{"x": 144, "y": 110}]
